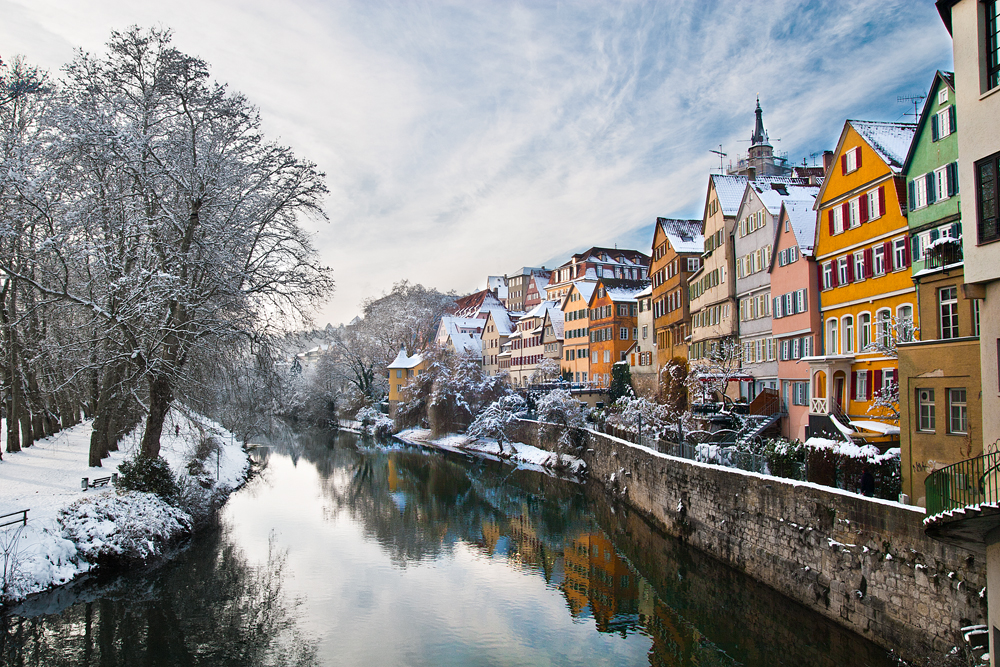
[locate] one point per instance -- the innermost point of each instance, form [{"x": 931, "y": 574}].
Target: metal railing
[
  {"x": 21, "y": 513},
  {"x": 964, "y": 484}
]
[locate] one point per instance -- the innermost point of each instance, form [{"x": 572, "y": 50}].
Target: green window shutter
[
  {"x": 952, "y": 118},
  {"x": 935, "y": 128},
  {"x": 931, "y": 188}
]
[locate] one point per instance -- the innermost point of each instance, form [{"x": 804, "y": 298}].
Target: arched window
[
  {"x": 848, "y": 334},
  {"x": 904, "y": 322},
  {"x": 832, "y": 342},
  {"x": 883, "y": 329},
  {"x": 864, "y": 331}
]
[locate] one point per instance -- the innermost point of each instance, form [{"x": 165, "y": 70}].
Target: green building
[{"x": 939, "y": 375}]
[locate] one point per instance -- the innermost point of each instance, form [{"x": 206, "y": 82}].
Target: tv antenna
[
  {"x": 915, "y": 100},
  {"x": 721, "y": 155}
]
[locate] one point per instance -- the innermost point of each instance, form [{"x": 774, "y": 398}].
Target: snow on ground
[
  {"x": 68, "y": 527},
  {"x": 527, "y": 456}
]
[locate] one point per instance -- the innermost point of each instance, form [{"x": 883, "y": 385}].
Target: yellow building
[
  {"x": 402, "y": 369},
  {"x": 867, "y": 298}
]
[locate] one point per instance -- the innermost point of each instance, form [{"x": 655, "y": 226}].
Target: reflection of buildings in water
[
  {"x": 530, "y": 549},
  {"x": 677, "y": 642},
  {"x": 597, "y": 577}
]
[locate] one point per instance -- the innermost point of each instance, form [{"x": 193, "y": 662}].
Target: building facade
[
  {"x": 677, "y": 249},
  {"x": 614, "y": 311},
  {"x": 575, "y": 306},
  {"x": 595, "y": 264}
]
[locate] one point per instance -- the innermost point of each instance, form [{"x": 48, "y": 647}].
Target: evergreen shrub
[{"x": 151, "y": 475}]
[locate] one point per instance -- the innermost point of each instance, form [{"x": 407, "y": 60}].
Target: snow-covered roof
[
  {"x": 890, "y": 140},
  {"x": 772, "y": 195},
  {"x": 625, "y": 291},
  {"x": 586, "y": 288},
  {"x": 803, "y": 220},
  {"x": 498, "y": 284},
  {"x": 502, "y": 319},
  {"x": 463, "y": 342},
  {"x": 646, "y": 292},
  {"x": 730, "y": 188},
  {"x": 684, "y": 235},
  {"x": 555, "y": 318},
  {"x": 541, "y": 282},
  {"x": 404, "y": 361}
]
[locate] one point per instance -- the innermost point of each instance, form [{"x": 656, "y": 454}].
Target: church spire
[{"x": 759, "y": 137}]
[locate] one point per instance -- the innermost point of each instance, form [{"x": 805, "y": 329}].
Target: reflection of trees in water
[{"x": 209, "y": 607}]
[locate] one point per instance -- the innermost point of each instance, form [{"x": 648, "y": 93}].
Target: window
[
  {"x": 943, "y": 95},
  {"x": 848, "y": 334},
  {"x": 828, "y": 275},
  {"x": 842, "y": 277},
  {"x": 875, "y": 204},
  {"x": 623, "y": 333},
  {"x": 864, "y": 331},
  {"x": 975, "y": 316},
  {"x": 948, "y": 305},
  {"x": 992, "y": 45},
  {"x": 942, "y": 125},
  {"x": 838, "y": 220},
  {"x": 958, "y": 414},
  {"x": 593, "y": 357},
  {"x": 800, "y": 393},
  {"x": 904, "y": 323},
  {"x": 918, "y": 192},
  {"x": 832, "y": 344},
  {"x": 942, "y": 179},
  {"x": 854, "y": 213},
  {"x": 878, "y": 255},
  {"x": 925, "y": 410},
  {"x": 800, "y": 301},
  {"x": 859, "y": 265},
  {"x": 607, "y": 356},
  {"x": 986, "y": 196},
  {"x": 852, "y": 160},
  {"x": 693, "y": 263},
  {"x": 861, "y": 390},
  {"x": 645, "y": 332},
  {"x": 882, "y": 333},
  {"x": 900, "y": 256},
  {"x": 399, "y": 373}
]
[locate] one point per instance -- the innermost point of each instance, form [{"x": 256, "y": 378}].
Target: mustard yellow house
[
  {"x": 400, "y": 371},
  {"x": 867, "y": 298}
]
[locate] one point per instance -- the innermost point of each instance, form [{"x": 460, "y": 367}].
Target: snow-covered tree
[
  {"x": 889, "y": 332},
  {"x": 547, "y": 370},
  {"x": 632, "y": 413},
  {"x": 496, "y": 420},
  {"x": 709, "y": 378}
]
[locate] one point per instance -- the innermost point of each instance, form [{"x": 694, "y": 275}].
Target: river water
[{"x": 344, "y": 552}]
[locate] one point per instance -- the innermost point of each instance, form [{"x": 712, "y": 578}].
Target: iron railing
[{"x": 964, "y": 484}]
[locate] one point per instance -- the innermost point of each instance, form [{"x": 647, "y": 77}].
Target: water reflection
[
  {"x": 209, "y": 606},
  {"x": 403, "y": 556}
]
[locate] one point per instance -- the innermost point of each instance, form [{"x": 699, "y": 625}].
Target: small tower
[
  {"x": 759, "y": 146},
  {"x": 760, "y": 159}
]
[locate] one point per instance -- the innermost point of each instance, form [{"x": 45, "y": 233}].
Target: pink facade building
[{"x": 795, "y": 310}]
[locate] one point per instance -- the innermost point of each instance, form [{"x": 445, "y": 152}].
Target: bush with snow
[
  {"x": 375, "y": 423},
  {"x": 841, "y": 464},
  {"x": 562, "y": 419},
  {"x": 149, "y": 475},
  {"x": 497, "y": 419},
  {"x": 129, "y": 525}
]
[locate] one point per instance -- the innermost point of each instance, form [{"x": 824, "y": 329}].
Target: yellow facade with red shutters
[{"x": 867, "y": 297}]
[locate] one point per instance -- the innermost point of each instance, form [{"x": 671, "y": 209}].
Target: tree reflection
[{"x": 208, "y": 607}]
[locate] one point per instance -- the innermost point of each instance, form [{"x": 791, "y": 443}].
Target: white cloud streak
[{"x": 467, "y": 138}]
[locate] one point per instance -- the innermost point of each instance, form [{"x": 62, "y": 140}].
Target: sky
[{"x": 467, "y": 139}]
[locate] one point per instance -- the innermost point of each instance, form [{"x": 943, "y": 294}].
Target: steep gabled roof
[
  {"x": 554, "y": 316},
  {"x": 948, "y": 79},
  {"x": 802, "y": 218},
  {"x": 624, "y": 291},
  {"x": 683, "y": 235},
  {"x": 730, "y": 188},
  {"x": 404, "y": 361},
  {"x": 891, "y": 141}
]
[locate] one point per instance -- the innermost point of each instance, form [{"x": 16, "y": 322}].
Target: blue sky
[{"x": 462, "y": 139}]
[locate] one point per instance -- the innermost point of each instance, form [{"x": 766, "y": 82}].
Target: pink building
[{"x": 795, "y": 311}]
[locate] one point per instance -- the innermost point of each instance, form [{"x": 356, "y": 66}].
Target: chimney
[
  {"x": 827, "y": 162},
  {"x": 752, "y": 173}
]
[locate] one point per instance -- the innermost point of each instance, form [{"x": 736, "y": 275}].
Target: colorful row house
[
  {"x": 867, "y": 298},
  {"x": 939, "y": 374},
  {"x": 677, "y": 248},
  {"x": 614, "y": 311},
  {"x": 575, "y": 308}
]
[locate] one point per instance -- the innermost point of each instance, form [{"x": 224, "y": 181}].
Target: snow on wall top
[
  {"x": 803, "y": 220},
  {"x": 890, "y": 140},
  {"x": 684, "y": 235}
]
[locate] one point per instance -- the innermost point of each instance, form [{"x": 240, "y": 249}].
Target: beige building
[
  {"x": 527, "y": 346},
  {"x": 496, "y": 331},
  {"x": 642, "y": 357}
]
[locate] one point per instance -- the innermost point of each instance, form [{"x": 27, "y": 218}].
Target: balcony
[
  {"x": 818, "y": 406},
  {"x": 963, "y": 501}
]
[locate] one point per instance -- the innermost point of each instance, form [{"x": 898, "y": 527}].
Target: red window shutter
[
  {"x": 819, "y": 270},
  {"x": 845, "y": 214},
  {"x": 881, "y": 200},
  {"x": 843, "y": 163},
  {"x": 876, "y": 382},
  {"x": 864, "y": 208},
  {"x": 889, "y": 258},
  {"x": 857, "y": 157},
  {"x": 854, "y": 384},
  {"x": 833, "y": 274},
  {"x": 871, "y": 383},
  {"x": 869, "y": 263},
  {"x": 850, "y": 270},
  {"x": 829, "y": 217},
  {"x": 906, "y": 252}
]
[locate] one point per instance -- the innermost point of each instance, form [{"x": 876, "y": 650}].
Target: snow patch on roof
[
  {"x": 404, "y": 361},
  {"x": 803, "y": 220},
  {"x": 730, "y": 188},
  {"x": 684, "y": 235},
  {"x": 890, "y": 140}
]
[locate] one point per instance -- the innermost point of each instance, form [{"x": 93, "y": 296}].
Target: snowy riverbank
[
  {"x": 69, "y": 530},
  {"x": 526, "y": 456}
]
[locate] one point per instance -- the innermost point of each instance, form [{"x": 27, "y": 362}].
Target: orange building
[
  {"x": 614, "y": 311},
  {"x": 576, "y": 330},
  {"x": 677, "y": 248},
  {"x": 867, "y": 298}
]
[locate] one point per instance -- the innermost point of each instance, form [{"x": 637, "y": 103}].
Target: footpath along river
[{"x": 346, "y": 552}]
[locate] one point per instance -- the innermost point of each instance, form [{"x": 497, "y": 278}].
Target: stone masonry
[{"x": 865, "y": 563}]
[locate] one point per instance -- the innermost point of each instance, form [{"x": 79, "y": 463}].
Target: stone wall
[{"x": 862, "y": 562}]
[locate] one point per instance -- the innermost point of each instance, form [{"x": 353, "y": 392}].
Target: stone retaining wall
[{"x": 862, "y": 562}]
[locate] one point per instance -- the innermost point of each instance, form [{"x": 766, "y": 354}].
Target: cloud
[{"x": 462, "y": 139}]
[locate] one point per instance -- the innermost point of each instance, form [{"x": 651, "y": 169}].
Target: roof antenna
[
  {"x": 721, "y": 155},
  {"x": 915, "y": 100}
]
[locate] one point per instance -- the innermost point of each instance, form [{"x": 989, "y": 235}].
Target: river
[{"x": 345, "y": 552}]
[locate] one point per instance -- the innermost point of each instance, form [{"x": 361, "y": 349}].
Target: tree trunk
[
  {"x": 160, "y": 397},
  {"x": 14, "y": 394}
]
